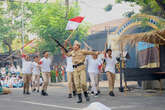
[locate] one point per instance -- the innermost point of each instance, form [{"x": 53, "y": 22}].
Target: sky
[{"x": 94, "y": 13}]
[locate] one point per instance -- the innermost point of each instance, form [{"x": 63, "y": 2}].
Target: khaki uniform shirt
[{"x": 79, "y": 57}]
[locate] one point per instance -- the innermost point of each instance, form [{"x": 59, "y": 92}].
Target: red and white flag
[{"x": 74, "y": 23}]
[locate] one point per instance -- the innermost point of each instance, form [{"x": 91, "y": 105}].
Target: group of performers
[
  {"x": 31, "y": 73},
  {"x": 77, "y": 61},
  {"x": 76, "y": 70}
]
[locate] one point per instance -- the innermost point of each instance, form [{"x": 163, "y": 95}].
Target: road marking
[
  {"x": 123, "y": 107},
  {"x": 69, "y": 108},
  {"x": 49, "y": 105}
]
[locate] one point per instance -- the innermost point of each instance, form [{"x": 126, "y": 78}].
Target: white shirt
[
  {"x": 26, "y": 66},
  {"x": 36, "y": 69},
  {"x": 110, "y": 64},
  {"x": 45, "y": 66},
  {"x": 93, "y": 64},
  {"x": 69, "y": 66}
]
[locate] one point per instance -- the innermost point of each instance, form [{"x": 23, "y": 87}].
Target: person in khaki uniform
[{"x": 78, "y": 59}]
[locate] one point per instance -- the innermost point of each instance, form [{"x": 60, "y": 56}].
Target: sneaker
[
  {"x": 96, "y": 95},
  {"x": 111, "y": 93},
  {"x": 46, "y": 94},
  {"x": 33, "y": 90},
  {"x": 69, "y": 95},
  {"x": 92, "y": 93}
]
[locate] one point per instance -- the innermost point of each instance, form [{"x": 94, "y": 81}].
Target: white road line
[
  {"x": 69, "y": 108},
  {"x": 123, "y": 107},
  {"x": 49, "y": 105}
]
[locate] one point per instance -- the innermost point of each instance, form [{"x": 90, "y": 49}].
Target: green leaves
[
  {"x": 51, "y": 21},
  {"x": 108, "y": 7},
  {"x": 43, "y": 19},
  {"x": 153, "y": 7}
]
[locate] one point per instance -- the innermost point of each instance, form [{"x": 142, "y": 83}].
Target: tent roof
[{"x": 155, "y": 37}]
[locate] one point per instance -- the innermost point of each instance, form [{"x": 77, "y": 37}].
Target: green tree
[
  {"x": 51, "y": 21},
  {"x": 108, "y": 7},
  {"x": 129, "y": 14},
  {"x": 10, "y": 24},
  {"x": 153, "y": 7}
]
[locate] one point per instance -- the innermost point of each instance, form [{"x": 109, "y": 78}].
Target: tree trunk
[{"x": 9, "y": 46}]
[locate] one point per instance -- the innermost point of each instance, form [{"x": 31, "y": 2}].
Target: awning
[{"x": 155, "y": 37}]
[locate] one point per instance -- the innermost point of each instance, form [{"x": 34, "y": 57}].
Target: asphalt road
[{"x": 57, "y": 100}]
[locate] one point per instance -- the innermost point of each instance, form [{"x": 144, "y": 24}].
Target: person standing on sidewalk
[
  {"x": 27, "y": 73},
  {"x": 36, "y": 74},
  {"x": 78, "y": 59},
  {"x": 110, "y": 70},
  {"x": 45, "y": 63}
]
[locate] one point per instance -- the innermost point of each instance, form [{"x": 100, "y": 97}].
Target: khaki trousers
[
  {"x": 111, "y": 80},
  {"x": 80, "y": 80},
  {"x": 45, "y": 76},
  {"x": 71, "y": 84},
  {"x": 27, "y": 79},
  {"x": 36, "y": 81}
]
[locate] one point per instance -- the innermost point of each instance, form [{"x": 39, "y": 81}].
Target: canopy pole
[{"x": 160, "y": 36}]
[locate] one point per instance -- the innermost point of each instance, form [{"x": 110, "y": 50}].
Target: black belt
[{"x": 75, "y": 66}]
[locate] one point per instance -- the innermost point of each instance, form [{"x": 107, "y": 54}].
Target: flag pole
[
  {"x": 20, "y": 49},
  {"x": 70, "y": 35}
]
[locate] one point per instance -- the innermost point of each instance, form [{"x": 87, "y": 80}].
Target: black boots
[
  {"x": 86, "y": 96},
  {"x": 43, "y": 93},
  {"x": 74, "y": 93},
  {"x": 79, "y": 98},
  {"x": 69, "y": 95},
  {"x": 111, "y": 93}
]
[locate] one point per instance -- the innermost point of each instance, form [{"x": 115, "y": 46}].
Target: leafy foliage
[
  {"x": 129, "y": 14},
  {"x": 108, "y": 7},
  {"x": 51, "y": 22},
  {"x": 44, "y": 20},
  {"x": 10, "y": 25},
  {"x": 153, "y": 7}
]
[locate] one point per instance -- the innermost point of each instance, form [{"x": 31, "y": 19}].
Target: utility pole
[{"x": 22, "y": 21}]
